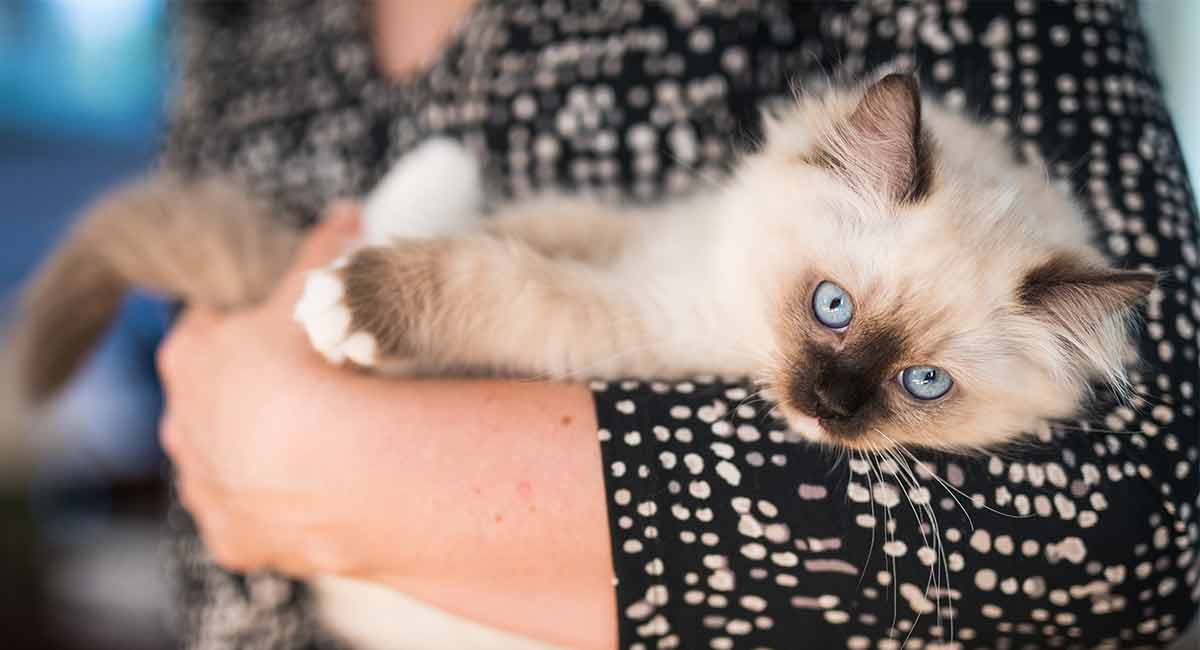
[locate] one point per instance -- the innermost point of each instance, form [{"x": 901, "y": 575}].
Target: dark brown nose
[{"x": 841, "y": 394}]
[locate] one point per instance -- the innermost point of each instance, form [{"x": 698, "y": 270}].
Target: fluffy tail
[{"x": 201, "y": 242}]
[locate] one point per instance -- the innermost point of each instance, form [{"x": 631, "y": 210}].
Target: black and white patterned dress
[{"x": 724, "y": 534}]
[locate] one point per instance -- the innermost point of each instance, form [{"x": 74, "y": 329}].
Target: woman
[{"x": 463, "y": 494}]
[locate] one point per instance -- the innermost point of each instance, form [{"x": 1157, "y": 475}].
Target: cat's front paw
[
  {"x": 327, "y": 320},
  {"x": 372, "y": 307}
]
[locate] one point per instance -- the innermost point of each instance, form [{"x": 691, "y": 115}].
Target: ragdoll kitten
[
  {"x": 882, "y": 266},
  {"x": 889, "y": 273}
]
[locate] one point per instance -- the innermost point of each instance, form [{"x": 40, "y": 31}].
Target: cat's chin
[
  {"x": 806, "y": 427},
  {"x": 802, "y": 426}
]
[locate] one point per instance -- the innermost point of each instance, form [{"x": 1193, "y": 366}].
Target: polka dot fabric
[{"x": 726, "y": 534}]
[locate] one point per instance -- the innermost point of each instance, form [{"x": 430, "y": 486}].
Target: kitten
[{"x": 883, "y": 266}]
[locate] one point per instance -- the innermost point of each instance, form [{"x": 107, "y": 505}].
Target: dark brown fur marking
[
  {"x": 842, "y": 387},
  {"x": 1067, "y": 280},
  {"x": 889, "y": 114},
  {"x": 390, "y": 290}
]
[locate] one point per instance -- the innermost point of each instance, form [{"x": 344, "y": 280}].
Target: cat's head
[{"x": 938, "y": 293}]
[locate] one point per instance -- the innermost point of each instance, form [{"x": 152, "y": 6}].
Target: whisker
[
  {"x": 1093, "y": 429},
  {"x": 950, "y": 490},
  {"x": 925, "y": 540},
  {"x": 939, "y": 547},
  {"x": 874, "y": 520},
  {"x": 888, "y": 560}
]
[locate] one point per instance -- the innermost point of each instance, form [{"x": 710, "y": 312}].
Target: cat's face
[{"x": 928, "y": 304}]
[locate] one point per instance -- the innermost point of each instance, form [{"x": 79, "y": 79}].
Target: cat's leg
[
  {"x": 563, "y": 227},
  {"x": 480, "y": 302}
]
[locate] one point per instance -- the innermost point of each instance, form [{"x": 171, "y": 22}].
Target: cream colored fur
[{"x": 707, "y": 284}]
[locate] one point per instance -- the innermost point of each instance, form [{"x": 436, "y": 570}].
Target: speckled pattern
[{"x": 725, "y": 535}]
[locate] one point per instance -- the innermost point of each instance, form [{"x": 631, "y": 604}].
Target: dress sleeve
[{"x": 727, "y": 535}]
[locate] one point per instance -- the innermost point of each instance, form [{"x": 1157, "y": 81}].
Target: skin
[
  {"x": 288, "y": 463},
  {"x": 408, "y": 34}
]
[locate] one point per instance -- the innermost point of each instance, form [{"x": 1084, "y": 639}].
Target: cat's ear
[
  {"x": 882, "y": 146},
  {"x": 1074, "y": 294}
]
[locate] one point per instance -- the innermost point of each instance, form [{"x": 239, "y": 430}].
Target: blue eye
[
  {"x": 925, "y": 382},
  {"x": 831, "y": 305}
]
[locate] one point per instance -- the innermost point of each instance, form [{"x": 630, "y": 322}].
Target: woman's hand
[
  {"x": 241, "y": 391},
  {"x": 459, "y": 493}
]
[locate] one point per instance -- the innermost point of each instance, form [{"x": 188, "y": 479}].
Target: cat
[{"x": 882, "y": 265}]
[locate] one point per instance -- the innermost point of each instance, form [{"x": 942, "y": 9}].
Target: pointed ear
[
  {"x": 1077, "y": 294},
  {"x": 881, "y": 146}
]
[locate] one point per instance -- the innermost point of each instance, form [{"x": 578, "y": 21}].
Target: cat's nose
[{"x": 840, "y": 397}]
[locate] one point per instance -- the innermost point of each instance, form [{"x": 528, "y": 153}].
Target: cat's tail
[{"x": 202, "y": 242}]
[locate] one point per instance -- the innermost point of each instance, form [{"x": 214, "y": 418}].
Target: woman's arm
[
  {"x": 501, "y": 514},
  {"x": 460, "y": 493}
]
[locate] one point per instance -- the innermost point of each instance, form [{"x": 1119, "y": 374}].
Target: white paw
[{"x": 326, "y": 319}]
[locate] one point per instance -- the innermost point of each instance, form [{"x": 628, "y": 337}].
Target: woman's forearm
[{"x": 494, "y": 504}]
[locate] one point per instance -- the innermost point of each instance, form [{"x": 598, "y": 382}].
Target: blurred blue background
[
  {"x": 84, "y": 83},
  {"x": 83, "y": 86}
]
